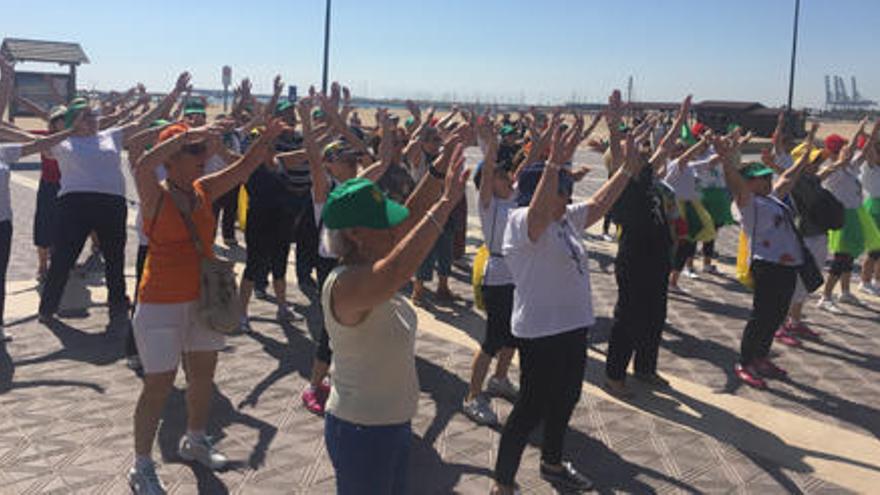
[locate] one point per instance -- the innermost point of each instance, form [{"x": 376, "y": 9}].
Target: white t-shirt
[
  {"x": 682, "y": 180},
  {"x": 871, "y": 180},
  {"x": 844, "y": 184},
  {"x": 551, "y": 275},
  {"x": 493, "y": 220},
  {"x": 708, "y": 174},
  {"x": 771, "y": 237},
  {"x": 784, "y": 160},
  {"x": 91, "y": 164},
  {"x": 214, "y": 164},
  {"x": 9, "y": 153}
]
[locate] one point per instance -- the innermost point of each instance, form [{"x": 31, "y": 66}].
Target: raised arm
[
  {"x": 734, "y": 180},
  {"x": 219, "y": 183},
  {"x": 45, "y": 143},
  {"x": 375, "y": 171},
  {"x": 778, "y": 133},
  {"x": 359, "y": 290},
  {"x": 33, "y": 107},
  {"x": 487, "y": 135},
  {"x": 7, "y": 76},
  {"x": 785, "y": 183},
  {"x": 320, "y": 187},
  {"x": 331, "y": 112},
  {"x": 132, "y": 128},
  {"x": 667, "y": 143}
]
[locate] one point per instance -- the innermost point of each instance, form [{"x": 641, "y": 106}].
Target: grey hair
[{"x": 336, "y": 243}]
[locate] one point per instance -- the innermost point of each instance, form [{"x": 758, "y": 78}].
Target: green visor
[{"x": 359, "y": 203}]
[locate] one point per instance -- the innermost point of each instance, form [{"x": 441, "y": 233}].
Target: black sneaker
[
  {"x": 567, "y": 478},
  {"x": 261, "y": 294}
]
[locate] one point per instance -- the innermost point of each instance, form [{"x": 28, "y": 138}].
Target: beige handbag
[{"x": 218, "y": 307}]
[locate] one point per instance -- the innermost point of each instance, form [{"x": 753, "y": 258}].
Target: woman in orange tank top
[{"x": 164, "y": 323}]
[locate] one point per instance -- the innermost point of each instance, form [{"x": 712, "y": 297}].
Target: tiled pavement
[{"x": 66, "y": 400}]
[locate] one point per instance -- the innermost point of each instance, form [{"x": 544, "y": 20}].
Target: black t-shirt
[{"x": 641, "y": 214}]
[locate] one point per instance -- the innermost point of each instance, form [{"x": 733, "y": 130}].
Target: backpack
[{"x": 818, "y": 205}]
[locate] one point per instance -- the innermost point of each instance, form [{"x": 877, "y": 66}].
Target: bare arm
[
  {"x": 487, "y": 135},
  {"x": 778, "y": 133},
  {"x": 785, "y": 183},
  {"x": 132, "y": 128},
  {"x": 359, "y": 290},
  {"x": 668, "y": 141},
  {"x": 320, "y": 187},
  {"x": 45, "y": 143},
  {"x": 33, "y": 108}
]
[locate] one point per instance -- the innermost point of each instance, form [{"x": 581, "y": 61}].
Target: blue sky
[{"x": 510, "y": 51}]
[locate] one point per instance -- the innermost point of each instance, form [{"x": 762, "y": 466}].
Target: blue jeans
[
  {"x": 368, "y": 459},
  {"x": 441, "y": 254}
]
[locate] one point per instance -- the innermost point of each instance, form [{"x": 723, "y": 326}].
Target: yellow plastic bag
[
  {"x": 242, "y": 207},
  {"x": 479, "y": 270},
  {"x": 743, "y": 262}
]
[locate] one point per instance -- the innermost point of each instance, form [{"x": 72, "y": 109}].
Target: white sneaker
[
  {"x": 847, "y": 298},
  {"x": 201, "y": 451},
  {"x": 690, "y": 274},
  {"x": 711, "y": 269},
  {"x": 829, "y": 306},
  {"x": 479, "y": 411},
  {"x": 502, "y": 387},
  {"x": 869, "y": 289},
  {"x": 284, "y": 314},
  {"x": 145, "y": 481},
  {"x": 607, "y": 238},
  {"x": 134, "y": 363}
]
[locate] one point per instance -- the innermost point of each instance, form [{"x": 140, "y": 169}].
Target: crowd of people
[{"x": 374, "y": 210}]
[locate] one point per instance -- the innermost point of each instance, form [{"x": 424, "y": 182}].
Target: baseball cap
[
  {"x": 57, "y": 112},
  {"x": 834, "y": 143},
  {"x": 194, "y": 107},
  {"x": 282, "y": 106},
  {"x": 755, "y": 170},
  {"x": 76, "y": 105}
]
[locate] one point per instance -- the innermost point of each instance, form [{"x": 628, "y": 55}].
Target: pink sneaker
[
  {"x": 766, "y": 368},
  {"x": 312, "y": 400},
  {"x": 749, "y": 375},
  {"x": 784, "y": 337},
  {"x": 802, "y": 330}
]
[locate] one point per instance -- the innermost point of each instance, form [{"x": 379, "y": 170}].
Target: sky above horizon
[{"x": 491, "y": 50}]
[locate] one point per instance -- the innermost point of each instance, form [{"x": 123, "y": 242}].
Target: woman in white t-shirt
[
  {"x": 92, "y": 198},
  {"x": 552, "y": 306},
  {"x": 859, "y": 233},
  {"x": 495, "y": 185},
  {"x": 9, "y": 154},
  {"x": 776, "y": 254}
]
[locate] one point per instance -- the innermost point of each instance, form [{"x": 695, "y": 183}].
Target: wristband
[
  {"x": 430, "y": 216},
  {"x": 434, "y": 172}
]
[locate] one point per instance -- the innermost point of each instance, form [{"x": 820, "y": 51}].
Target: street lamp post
[
  {"x": 797, "y": 6},
  {"x": 326, "y": 47}
]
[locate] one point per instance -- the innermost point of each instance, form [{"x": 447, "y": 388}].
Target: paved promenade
[{"x": 66, "y": 399}]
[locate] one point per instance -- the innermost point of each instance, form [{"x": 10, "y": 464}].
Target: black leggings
[
  {"x": 268, "y": 248},
  {"x": 5, "y": 248},
  {"x": 685, "y": 250},
  {"x": 78, "y": 215},
  {"x": 499, "y": 308},
  {"x": 323, "y": 352},
  {"x": 228, "y": 206},
  {"x": 774, "y": 286},
  {"x": 639, "y": 315},
  {"x": 551, "y": 377}
]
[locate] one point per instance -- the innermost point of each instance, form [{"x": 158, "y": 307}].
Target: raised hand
[
  {"x": 182, "y": 82},
  {"x": 277, "y": 86},
  {"x": 456, "y": 179},
  {"x": 413, "y": 109},
  {"x": 446, "y": 154}
]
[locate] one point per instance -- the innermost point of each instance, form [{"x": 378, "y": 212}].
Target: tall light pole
[
  {"x": 326, "y": 47},
  {"x": 797, "y": 7}
]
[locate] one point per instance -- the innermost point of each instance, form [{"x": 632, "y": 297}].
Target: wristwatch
[{"x": 434, "y": 172}]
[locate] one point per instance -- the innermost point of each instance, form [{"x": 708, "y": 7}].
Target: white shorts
[
  {"x": 163, "y": 332},
  {"x": 818, "y": 245}
]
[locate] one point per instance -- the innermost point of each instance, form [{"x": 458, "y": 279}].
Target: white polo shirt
[{"x": 552, "y": 279}]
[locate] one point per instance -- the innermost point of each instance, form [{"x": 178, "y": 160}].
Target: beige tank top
[{"x": 374, "y": 379}]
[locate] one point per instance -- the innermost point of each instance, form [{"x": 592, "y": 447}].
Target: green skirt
[
  {"x": 872, "y": 205},
  {"x": 717, "y": 202},
  {"x": 858, "y": 235}
]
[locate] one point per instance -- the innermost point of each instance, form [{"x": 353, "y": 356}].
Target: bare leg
[
  {"x": 505, "y": 356},
  {"x": 796, "y": 312},
  {"x": 844, "y": 282},
  {"x": 868, "y": 268},
  {"x": 43, "y": 257},
  {"x": 148, "y": 410},
  {"x": 829, "y": 285},
  {"x": 319, "y": 372},
  {"x": 479, "y": 368},
  {"x": 244, "y": 294},
  {"x": 200, "y": 368},
  {"x": 280, "y": 287}
]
